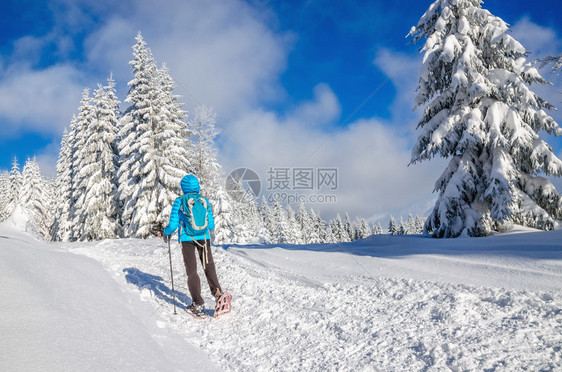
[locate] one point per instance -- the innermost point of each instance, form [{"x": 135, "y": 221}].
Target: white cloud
[
  {"x": 375, "y": 178},
  {"x": 27, "y": 48},
  {"x": 223, "y": 53},
  {"x": 371, "y": 157},
  {"x": 39, "y": 100},
  {"x": 403, "y": 72},
  {"x": 540, "y": 41},
  {"x": 322, "y": 110},
  {"x": 47, "y": 159}
]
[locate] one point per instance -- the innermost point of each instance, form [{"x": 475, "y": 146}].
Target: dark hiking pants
[{"x": 190, "y": 260}]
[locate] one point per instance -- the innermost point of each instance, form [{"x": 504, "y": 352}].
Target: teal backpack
[{"x": 193, "y": 214}]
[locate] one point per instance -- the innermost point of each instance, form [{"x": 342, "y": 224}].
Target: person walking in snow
[{"x": 193, "y": 215}]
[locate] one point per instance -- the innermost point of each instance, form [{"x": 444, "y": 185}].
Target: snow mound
[
  {"x": 21, "y": 219},
  {"x": 64, "y": 312}
]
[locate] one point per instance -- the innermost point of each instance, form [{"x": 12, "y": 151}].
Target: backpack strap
[{"x": 205, "y": 253}]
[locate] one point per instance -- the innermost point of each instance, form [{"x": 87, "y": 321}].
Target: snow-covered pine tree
[
  {"x": 402, "y": 227},
  {"x": 393, "y": 228},
  {"x": 48, "y": 193},
  {"x": 15, "y": 187},
  {"x": 318, "y": 229},
  {"x": 244, "y": 229},
  {"x": 378, "y": 230},
  {"x": 257, "y": 227},
  {"x": 269, "y": 221},
  {"x": 173, "y": 148},
  {"x": 101, "y": 214},
  {"x": 419, "y": 223},
  {"x": 136, "y": 140},
  {"x": 410, "y": 225},
  {"x": 78, "y": 138},
  {"x": 63, "y": 188},
  {"x": 328, "y": 233},
  {"x": 152, "y": 148},
  {"x": 480, "y": 112},
  {"x": 338, "y": 230},
  {"x": 223, "y": 213},
  {"x": 362, "y": 228},
  {"x": 306, "y": 227},
  {"x": 5, "y": 195},
  {"x": 36, "y": 196},
  {"x": 204, "y": 155},
  {"x": 281, "y": 231},
  {"x": 349, "y": 228},
  {"x": 294, "y": 232}
]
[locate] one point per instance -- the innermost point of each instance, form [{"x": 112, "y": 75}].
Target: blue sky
[{"x": 288, "y": 80}]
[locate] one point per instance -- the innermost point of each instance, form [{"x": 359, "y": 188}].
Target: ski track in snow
[{"x": 286, "y": 320}]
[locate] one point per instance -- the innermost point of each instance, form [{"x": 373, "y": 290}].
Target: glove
[{"x": 165, "y": 237}]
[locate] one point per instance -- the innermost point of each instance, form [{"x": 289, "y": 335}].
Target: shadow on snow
[
  {"x": 156, "y": 285},
  {"x": 538, "y": 245}
]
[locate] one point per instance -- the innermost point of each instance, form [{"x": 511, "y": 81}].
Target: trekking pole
[{"x": 172, "y": 275}]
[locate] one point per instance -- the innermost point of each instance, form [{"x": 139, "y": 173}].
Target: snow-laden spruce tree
[
  {"x": 280, "y": 224},
  {"x": 294, "y": 232},
  {"x": 362, "y": 229},
  {"x": 258, "y": 229},
  {"x": 204, "y": 155},
  {"x": 100, "y": 211},
  {"x": 204, "y": 164},
  {"x": 319, "y": 234},
  {"x": 338, "y": 230},
  {"x": 241, "y": 218},
  {"x": 328, "y": 234},
  {"x": 152, "y": 148},
  {"x": 171, "y": 134},
  {"x": 63, "y": 189},
  {"x": 224, "y": 224},
  {"x": 393, "y": 227},
  {"x": 349, "y": 228},
  {"x": 268, "y": 220},
  {"x": 480, "y": 112},
  {"x": 377, "y": 229},
  {"x": 5, "y": 195},
  {"x": 36, "y": 196},
  {"x": 14, "y": 192},
  {"x": 306, "y": 223},
  {"x": 78, "y": 139}
]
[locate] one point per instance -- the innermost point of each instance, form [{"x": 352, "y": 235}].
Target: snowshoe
[
  {"x": 223, "y": 305},
  {"x": 196, "y": 311}
]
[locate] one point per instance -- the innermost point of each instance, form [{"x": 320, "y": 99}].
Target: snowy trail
[{"x": 303, "y": 308}]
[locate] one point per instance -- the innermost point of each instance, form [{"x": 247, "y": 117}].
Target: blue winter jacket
[{"x": 189, "y": 184}]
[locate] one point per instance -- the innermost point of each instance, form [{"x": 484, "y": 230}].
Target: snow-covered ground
[{"x": 392, "y": 303}]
